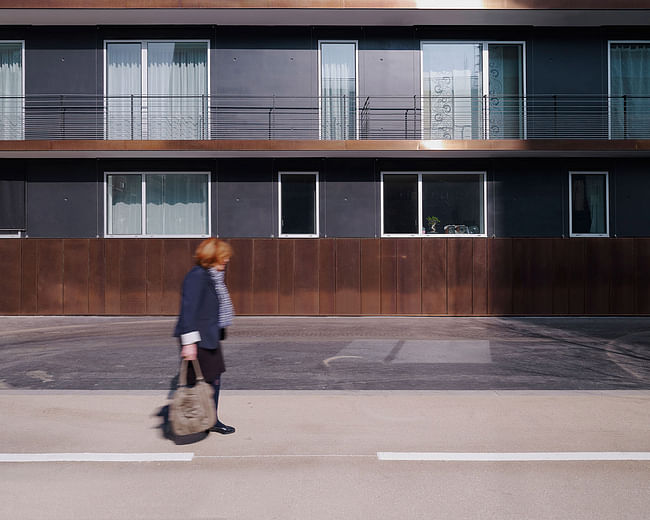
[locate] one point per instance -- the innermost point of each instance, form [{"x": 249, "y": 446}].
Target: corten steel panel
[
  {"x": 326, "y": 276},
  {"x": 10, "y": 281},
  {"x": 239, "y": 276},
  {"x": 305, "y": 281},
  {"x": 500, "y": 276},
  {"x": 598, "y": 271},
  {"x": 560, "y": 248},
  {"x": 434, "y": 276},
  {"x": 154, "y": 275},
  {"x": 409, "y": 276},
  {"x": 642, "y": 257},
  {"x": 348, "y": 276},
  {"x": 112, "y": 286},
  {"x": 459, "y": 276},
  {"x": 265, "y": 276},
  {"x": 29, "y": 300},
  {"x": 479, "y": 276},
  {"x": 576, "y": 275},
  {"x": 75, "y": 276},
  {"x": 96, "y": 276},
  {"x": 532, "y": 276},
  {"x": 623, "y": 273},
  {"x": 177, "y": 261},
  {"x": 133, "y": 276},
  {"x": 388, "y": 275},
  {"x": 370, "y": 276},
  {"x": 285, "y": 276},
  {"x": 50, "y": 276}
]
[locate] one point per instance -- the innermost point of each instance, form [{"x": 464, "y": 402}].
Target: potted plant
[{"x": 431, "y": 222}]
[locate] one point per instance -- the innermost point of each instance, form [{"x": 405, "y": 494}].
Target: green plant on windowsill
[{"x": 431, "y": 222}]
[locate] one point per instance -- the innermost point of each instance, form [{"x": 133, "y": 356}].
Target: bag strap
[{"x": 182, "y": 381}]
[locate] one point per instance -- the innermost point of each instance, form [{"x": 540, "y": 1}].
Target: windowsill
[
  {"x": 436, "y": 235},
  {"x": 588, "y": 235},
  {"x": 298, "y": 236},
  {"x": 156, "y": 236}
]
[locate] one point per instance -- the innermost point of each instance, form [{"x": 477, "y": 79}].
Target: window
[
  {"x": 157, "y": 90},
  {"x": 589, "y": 204},
  {"x": 629, "y": 89},
  {"x": 430, "y": 204},
  {"x": 298, "y": 204},
  {"x": 338, "y": 89},
  {"x": 158, "y": 204},
  {"x": 473, "y": 90},
  {"x": 11, "y": 90}
]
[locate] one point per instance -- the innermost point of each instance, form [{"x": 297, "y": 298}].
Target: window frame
[
  {"x": 143, "y": 216},
  {"x": 356, "y": 86},
  {"x": 419, "y": 234},
  {"x": 317, "y": 208},
  {"x": 485, "y": 84},
  {"x": 588, "y": 235},
  {"x": 21, "y": 136},
  {"x": 143, "y": 79}
]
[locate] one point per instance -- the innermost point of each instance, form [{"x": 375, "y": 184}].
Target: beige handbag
[{"x": 192, "y": 409}]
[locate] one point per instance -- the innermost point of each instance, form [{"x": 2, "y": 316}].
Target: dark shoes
[{"x": 222, "y": 428}]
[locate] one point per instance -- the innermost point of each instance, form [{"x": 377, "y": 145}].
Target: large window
[
  {"x": 629, "y": 89},
  {"x": 430, "y": 204},
  {"x": 157, "y": 89},
  {"x": 298, "y": 204},
  {"x": 11, "y": 90},
  {"x": 473, "y": 90},
  {"x": 338, "y": 89},
  {"x": 158, "y": 204},
  {"x": 589, "y": 204}
]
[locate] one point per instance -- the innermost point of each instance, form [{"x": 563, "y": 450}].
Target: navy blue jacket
[{"x": 199, "y": 308}]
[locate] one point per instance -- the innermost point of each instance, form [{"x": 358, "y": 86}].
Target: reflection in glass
[
  {"x": 338, "y": 90},
  {"x": 589, "y": 204},
  {"x": 177, "y": 204},
  {"x": 124, "y": 205},
  {"x": 401, "y": 204},
  {"x": 456, "y": 199},
  {"x": 298, "y": 204}
]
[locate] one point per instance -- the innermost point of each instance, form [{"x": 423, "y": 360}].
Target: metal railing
[{"x": 325, "y": 118}]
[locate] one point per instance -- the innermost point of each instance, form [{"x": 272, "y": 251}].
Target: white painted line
[
  {"x": 517, "y": 457},
  {"x": 96, "y": 457}
]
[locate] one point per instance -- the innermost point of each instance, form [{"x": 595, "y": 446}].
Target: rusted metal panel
[
  {"x": 479, "y": 276},
  {"x": 239, "y": 275},
  {"x": 50, "y": 276},
  {"x": 560, "y": 255},
  {"x": 348, "y": 276},
  {"x": 112, "y": 287},
  {"x": 96, "y": 276},
  {"x": 305, "y": 277},
  {"x": 29, "y": 276},
  {"x": 388, "y": 276},
  {"x": 10, "y": 281},
  {"x": 326, "y": 276},
  {"x": 623, "y": 273},
  {"x": 434, "y": 276},
  {"x": 642, "y": 260},
  {"x": 459, "y": 276},
  {"x": 409, "y": 276},
  {"x": 532, "y": 260},
  {"x": 286, "y": 269},
  {"x": 133, "y": 276},
  {"x": 370, "y": 276},
  {"x": 265, "y": 276},
  {"x": 500, "y": 276},
  {"x": 598, "y": 272},
  {"x": 154, "y": 275},
  {"x": 75, "y": 276},
  {"x": 177, "y": 260},
  {"x": 576, "y": 275}
]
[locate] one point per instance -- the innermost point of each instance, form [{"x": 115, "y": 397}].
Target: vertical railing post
[
  {"x": 203, "y": 118},
  {"x": 555, "y": 136},
  {"x": 345, "y": 117},
  {"x": 271, "y": 117},
  {"x": 131, "y": 117},
  {"x": 62, "y": 107},
  {"x": 625, "y": 116},
  {"x": 415, "y": 116},
  {"x": 485, "y": 117}
]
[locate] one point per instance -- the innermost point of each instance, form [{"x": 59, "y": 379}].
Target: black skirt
[{"x": 211, "y": 363}]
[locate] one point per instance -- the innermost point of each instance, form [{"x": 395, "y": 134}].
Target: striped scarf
[{"x": 226, "y": 311}]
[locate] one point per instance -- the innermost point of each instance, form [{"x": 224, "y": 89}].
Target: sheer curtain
[
  {"x": 338, "y": 91},
  {"x": 595, "y": 195},
  {"x": 177, "y": 204},
  {"x": 123, "y": 80},
  {"x": 177, "y": 71},
  {"x": 124, "y": 205},
  {"x": 452, "y": 90},
  {"x": 630, "y": 76},
  {"x": 11, "y": 90}
]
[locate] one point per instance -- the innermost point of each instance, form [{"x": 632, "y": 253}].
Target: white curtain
[
  {"x": 630, "y": 76},
  {"x": 506, "y": 91},
  {"x": 177, "y": 204},
  {"x": 124, "y": 205},
  {"x": 338, "y": 91},
  {"x": 595, "y": 194},
  {"x": 123, "y": 80},
  {"x": 177, "y": 71},
  {"x": 11, "y": 90}
]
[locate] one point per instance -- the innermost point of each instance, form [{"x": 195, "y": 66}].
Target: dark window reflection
[
  {"x": 298, "y": 204},
  {"x": 455, "y": 200},
  {"x": 400, "y": 204},
  {"x": 589, "y": 204}
]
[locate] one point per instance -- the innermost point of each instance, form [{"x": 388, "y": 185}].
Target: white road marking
[
  {"x": 327, "y": 361},
  {"x": 516, "y": 457},
  {"x": 96, "y": 457}
]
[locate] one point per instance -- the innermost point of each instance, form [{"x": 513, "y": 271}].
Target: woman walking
[{"x": 206, "y": 311}]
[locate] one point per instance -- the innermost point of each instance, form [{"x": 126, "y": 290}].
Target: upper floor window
[
  {"x": 157, "y": 89},
  {"x": 11, "y": 90},
  {"x": 428, "y": 204},
  {"x": 338, "y": 89},
  {"x": 473, "y": 90},
  {"x": 589, "y": 204},
  {"x": 298, "y": 204},
  {"x": 629, "y": 89},
  {"x": 158, "y": 204}
]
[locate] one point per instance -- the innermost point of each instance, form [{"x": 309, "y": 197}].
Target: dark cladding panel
[
  {"x": 630, "y": 199},
  {"x": 62, "y": 199},
  {"x": 12, "y": 196}
]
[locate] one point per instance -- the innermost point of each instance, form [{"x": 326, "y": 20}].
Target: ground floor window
[
  {"x": 589, "y": 204},
  {"x": 158, "y": 204},
  {"x": 298, "y": 204},
  {"x": 429, "y": 204}
]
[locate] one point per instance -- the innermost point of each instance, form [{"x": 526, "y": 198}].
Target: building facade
[{"x": 445, "y": 159}]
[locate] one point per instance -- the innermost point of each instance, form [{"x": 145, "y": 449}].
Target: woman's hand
[{"x": 189, "y": 352}]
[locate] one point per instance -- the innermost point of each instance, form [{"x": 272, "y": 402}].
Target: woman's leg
[{"x": 219, "y": 427}]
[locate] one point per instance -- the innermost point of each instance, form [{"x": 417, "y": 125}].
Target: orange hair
[{"x": 212, "y": 251}]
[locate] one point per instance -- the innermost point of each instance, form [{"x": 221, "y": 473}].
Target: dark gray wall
[
  {"x": 12, "y": 195},
  {"x": 629, "y": 185}
]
